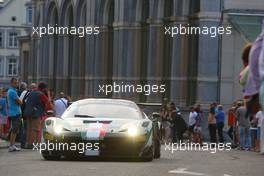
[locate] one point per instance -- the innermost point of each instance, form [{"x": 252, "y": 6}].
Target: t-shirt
[
  {"x": 231, "y": 118},
  {"x": 23, "y": 95},
  {"x": 60, "y": 106},
  {"x": 3, "y": 106},
  {"x": 243, "y": 121},
  {"x": 37, "y": 104},
  {"x": 13, "y": 107},
  {"x": 192, "y": 117},
  {"x": 220, "y": 117},
  {"x": 260, "y": 117}
]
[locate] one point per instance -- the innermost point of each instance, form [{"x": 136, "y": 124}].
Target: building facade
[
  {"x": 15, "y": 20},
  {"x": 132, "y": 48}
]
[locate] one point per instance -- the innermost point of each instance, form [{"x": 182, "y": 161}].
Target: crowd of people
[
  {"x": 244, "y": 119},
  {"x": 23, "y": 110},
  {"x": 243, "y": 129}
]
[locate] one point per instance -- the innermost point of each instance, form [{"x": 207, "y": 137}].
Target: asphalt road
[{"x": 180, "y": 163}]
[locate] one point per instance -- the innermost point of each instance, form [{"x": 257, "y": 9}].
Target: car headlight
[
  {"x": 58, "y": 129},
  {"x": 132, "y": 131}
]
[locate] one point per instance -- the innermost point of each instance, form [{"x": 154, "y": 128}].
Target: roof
[{"x": 107, "y": 101}]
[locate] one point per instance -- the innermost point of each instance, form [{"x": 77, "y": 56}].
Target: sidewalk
[{"x": 3, "y": 144}]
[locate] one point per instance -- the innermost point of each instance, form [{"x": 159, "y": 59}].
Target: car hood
[{"x": 107, "y": 124}]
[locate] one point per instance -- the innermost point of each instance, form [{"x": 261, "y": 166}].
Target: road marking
[{"x": 184, "y": 171}]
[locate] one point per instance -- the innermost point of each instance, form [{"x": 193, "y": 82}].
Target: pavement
[{"x": 179, "y": 163}]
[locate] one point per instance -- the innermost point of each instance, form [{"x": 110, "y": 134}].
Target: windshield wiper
[{"x": 84, "y": 116}]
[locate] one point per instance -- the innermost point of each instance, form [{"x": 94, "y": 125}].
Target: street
[{"x": 180, "y": 163}]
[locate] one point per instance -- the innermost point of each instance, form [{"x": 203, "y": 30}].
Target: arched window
[
  {"x": 68, "y": 21},
  {"x": 82, "y": 49},
  {"x": 52, "y": 45}
]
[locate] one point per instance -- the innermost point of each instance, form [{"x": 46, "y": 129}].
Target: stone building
[
  {"x": 132, "y": 47},
  {"x": 15, "y": 19}
]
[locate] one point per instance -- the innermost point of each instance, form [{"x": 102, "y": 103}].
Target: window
[
  {"x": 29, "y": 14},
  {"x": 1, "y": 40},
  {"x": 12, "y": 42},
  {"x": 1, "y": 66},
  {"x": 12, "y": 67}
]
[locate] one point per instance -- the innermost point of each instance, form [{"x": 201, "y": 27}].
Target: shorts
[
  {"x": 15, "y": 122},
  {"x": 258, "y": 133},
  {"x": 3, "y": 120},
  {"x": 33, "y": 124}
]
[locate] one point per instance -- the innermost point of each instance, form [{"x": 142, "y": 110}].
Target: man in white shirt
[
  {"x": 259, "y": 117},
  {"x": 192, "y": 121},
  {"x": 61, "y": 105}
]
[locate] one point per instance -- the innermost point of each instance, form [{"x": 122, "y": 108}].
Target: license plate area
[
  {"x": 92, "y": 148},
  {"x": 92, "y": 153}
]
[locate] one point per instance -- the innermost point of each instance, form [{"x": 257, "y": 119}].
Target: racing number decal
[{"x": 95, "y": 131}]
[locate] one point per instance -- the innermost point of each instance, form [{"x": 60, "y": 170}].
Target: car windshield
[{"x": 98, "y": 110}]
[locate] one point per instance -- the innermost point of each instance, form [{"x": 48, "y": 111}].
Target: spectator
[
  {"x": 220, "y": 123},
  {"x": 232, "y": 122},
  {"x": 259, "y": 52},
  {"x": 259, "y": 117},
  {"x": 14, "y": 113},
  {"x": 22, "y": 88},
  {"x": 163, "y": 121},
  {"x": 3, "y": 113},
  {"x": 243, "y": 76},
  {"x": 197, "y": 130},
  {"x": 171, "y": 115},
  {"x": 36, "y": 105},
  {"x": 212, "y": 124},
  {"x": 251, "y": 93},
  {"x": 244, "y": 125},
  {"x": 60, "y": 105},
  {"x": 166, "y": 124},
  {"x": 178, "y": 125},
  {"x": 23, "y": 97},
  {"x": 192, "y": 121}
]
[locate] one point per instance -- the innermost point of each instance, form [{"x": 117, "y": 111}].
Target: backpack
[{"x": 24, "y": 101}]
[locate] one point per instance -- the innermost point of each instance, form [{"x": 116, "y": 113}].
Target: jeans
[
  {"x": 23, "y": 134},
  {"x": 231, "y": 132},
  {"x": 220, "y": 126},
  {"x": 212, "y": 132},
  {"x": 244, "y": 137},
  {"x": 174, "y": 134}
]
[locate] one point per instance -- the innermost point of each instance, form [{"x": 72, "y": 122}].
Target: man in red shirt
[{"x": 38, "y": 103}]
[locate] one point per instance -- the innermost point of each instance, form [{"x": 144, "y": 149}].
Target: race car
[{"x": 111, "y": 128}]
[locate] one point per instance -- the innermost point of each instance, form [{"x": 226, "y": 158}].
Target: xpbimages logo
[
  {"x": 212, "y": 31},
  {"x": 146, "y": 89},
  {"x": 58, "y": 146},
  {"x": 62, "y": 30},
  {"x": 207, "y": 147}
]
